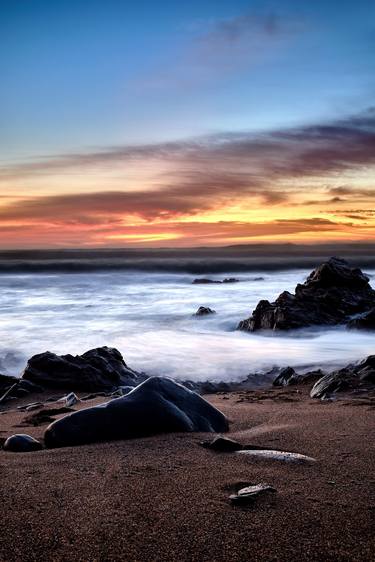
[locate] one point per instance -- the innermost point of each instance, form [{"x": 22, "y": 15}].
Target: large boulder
[
  {"x": 332, "y": 294},
  {"x": 158, "y": 405},
  {"x": 102, "y": 368}
]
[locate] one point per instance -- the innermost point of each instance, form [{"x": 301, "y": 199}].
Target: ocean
[{"x": 149, "y": 317}]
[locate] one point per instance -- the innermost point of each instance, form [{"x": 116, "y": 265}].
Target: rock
[
  {"x": 69, "y": 400},
  {"x": 21, "y": 443},
  {"x": 34, "y": 406},
  {"x": 204, "y": 310},
  {"x": 204, "y": 281},
  {"x": 331, "y": 295},
  {"x": 122, "y": 391},
  {"x": 98, "y": 369},
  {"x": 222, "y": 444},
  {"x": 357, "y": 377},
  {"x": 42, "y": 417},
  {"x": 158, "y": 405},
  {"x": 287, "y": 376},
  {"x": 364, "y": 321},
  {"x": 250, "y": 493},
  {"x": 230, "y": 280},
  {"x": 6, "y": 381},
  {"x": 269, "y": 454}
]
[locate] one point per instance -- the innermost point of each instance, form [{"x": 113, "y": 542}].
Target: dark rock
[
  {"x": 357, "y": 377},
  {"x": 6, "y": 381},
  {"x": 98, "y": 369},
  {"x": 158, "y": 405},
  {"x": 204, "y": 311},
  {"x": 22, "y": 443},
  {"x": 287, "y": 376},
  {"x": 364, "y": 321},
  {"x": 222, "y": 444},
  {"x": 204, "y": 281},
  {"x": 331, "y": 295},
  {"x": 230, "y": 280}
]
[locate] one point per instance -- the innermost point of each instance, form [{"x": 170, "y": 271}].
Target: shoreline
[{"x": 166, "y": 498}]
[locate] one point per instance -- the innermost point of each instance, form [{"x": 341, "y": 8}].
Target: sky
[{"x": 141, "y": 124}]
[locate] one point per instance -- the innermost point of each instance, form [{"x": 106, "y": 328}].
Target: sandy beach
[{"x": 165, "y": 498}]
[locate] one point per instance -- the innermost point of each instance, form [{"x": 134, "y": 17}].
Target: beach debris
[
  {"x": 158, "y": 405},
  {"x": 250, "y": 493},
  {"x": 270, "y": 454},
  {"x": 22, "y": 443},
  {"x": 69, "y": 400},
  {"x": 331, "y": 295},
  {"x": 222, "y": 445},
  {"x": 204, "y": 311}
]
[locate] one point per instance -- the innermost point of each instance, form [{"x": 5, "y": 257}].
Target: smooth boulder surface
[
  {"x": 102, "y": 368},
  {"x": 332, "y": 294},
  {"x": 158, "y": 405},
  {"x": 22, "y": 443}
]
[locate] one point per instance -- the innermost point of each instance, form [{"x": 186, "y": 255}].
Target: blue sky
[{"x": 83, "y": 74}]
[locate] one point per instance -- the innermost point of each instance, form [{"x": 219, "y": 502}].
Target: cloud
[
  {"x": 186, "y": 179},
  {"x": 264, "y": 158}
]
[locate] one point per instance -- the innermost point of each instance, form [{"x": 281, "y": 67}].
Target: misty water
[{"x": 149, "y": 318}]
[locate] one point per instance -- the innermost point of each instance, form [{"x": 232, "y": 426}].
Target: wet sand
[{"x": 165, "y": 498}]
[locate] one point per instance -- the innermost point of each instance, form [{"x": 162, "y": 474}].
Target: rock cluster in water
[{"x": 334, "y": 293}]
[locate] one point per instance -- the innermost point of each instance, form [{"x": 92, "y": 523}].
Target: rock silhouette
[{"x": 332, "y": 294}]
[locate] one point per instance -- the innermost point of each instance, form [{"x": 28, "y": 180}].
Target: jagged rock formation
[
  {"x": 102, "y": 368},
  {"x": 358, "y": 377},
  {"x": 333, "y": 294}
]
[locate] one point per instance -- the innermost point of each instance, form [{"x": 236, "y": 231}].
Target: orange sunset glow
[{"x": 206, "y": 191}]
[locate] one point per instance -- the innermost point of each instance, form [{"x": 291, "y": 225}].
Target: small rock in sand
[
  {"x": 250, "y": 493},
  {"x": 69, "y": 400},
  {"x": 269, "y": 454}
]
